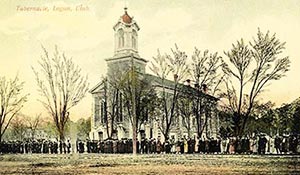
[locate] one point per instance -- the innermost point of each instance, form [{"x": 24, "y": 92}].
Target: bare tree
[
  {"x": 251, "y": 69},
  {"x": 205, "y": 72},
  {"x": 33, "y": 123},
  {"x": 11, "y": 101},
  {"x": 138, "y": 96},
  {"x": 185, "y": 108},
  {"x": 113, "y": 98},
  {"x": 18, "y": 127},
  {"x": 162, "y": 66},
  {"x": 130, "y": 97},
  {"x": 112, "y": 103},
  {"x": 61, "y": 85}
]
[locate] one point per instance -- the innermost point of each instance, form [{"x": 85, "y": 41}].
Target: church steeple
[
  {"x": 126, "y": 36},
  {"x": 126, "y": 46}
]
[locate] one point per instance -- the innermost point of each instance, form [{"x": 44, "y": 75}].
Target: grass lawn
[{"x": 148, "y": 164}]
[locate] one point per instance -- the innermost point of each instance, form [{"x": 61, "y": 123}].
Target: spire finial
[
  {"x": 126, "y": 6},
  {"x": 126, "y": 18}
]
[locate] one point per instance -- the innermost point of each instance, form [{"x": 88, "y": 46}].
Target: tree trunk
[
  {"x": 166, "y": 135},
  {"x": 198, "y": 116},
  {"x": 134, "y": 119},
  {"x": 189, "y": 132},
  {"x": 134, "y": 140},
  {"x": 134, "y": 124},
  {"x": 61, "y": 136},
  {"x": 199, "y": 133}
]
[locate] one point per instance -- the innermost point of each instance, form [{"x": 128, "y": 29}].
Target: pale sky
[{"x": 87, "y": 36}]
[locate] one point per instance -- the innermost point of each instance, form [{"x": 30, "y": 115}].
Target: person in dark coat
[
  {"x": 55, "y": 147},
  {"x": 45, "y": 147},
  {"x": 207, "y": 144},
  {"x": 60, "y": 146},
  {"x": 88, "y": 145},
  {"x": 218, "y": 145},
  {"x": 181, "y": 146},
  {"x": 277, "y": 143},
  {"x": 158, "y": 147},
  {"x": 238, "y": 145},
  {"x": 146, "y": 146},
  {"x": 69, "y": 146},
  {"x": 293, "y": 144},
  {"x": 193, "y": 143},
  {"x": 142, "y": 144},
  {"x": 153, "y": 146},
  {"x": 262, "y": 145},
  {"x": 201, "y": 146},
  {"x": 247, "y": 145},
  {"x": 81, "y": 147},
  {"x": 189, "y": 142},
  {"x": 167, "y": 147},
  {"x": 213, "y": 146},
  {"x": 138, "y": 149},
  {"x": 129, "y": 146}
]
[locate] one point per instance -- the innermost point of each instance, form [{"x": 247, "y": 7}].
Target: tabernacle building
[{"x": 125, "y": 55}]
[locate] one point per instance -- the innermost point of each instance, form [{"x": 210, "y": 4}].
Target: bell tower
[
  {"x": 126, "y": 35},
  {"x": 126, "y": 46}
]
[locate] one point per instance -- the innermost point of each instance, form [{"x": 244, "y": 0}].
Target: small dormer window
[{"x": 121, "y": 38}]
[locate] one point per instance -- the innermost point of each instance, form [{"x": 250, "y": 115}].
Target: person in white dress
[
  {"x": 224, "y": 144},
  {"x": 272, "y": 145}
]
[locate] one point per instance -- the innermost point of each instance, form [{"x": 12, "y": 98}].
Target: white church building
[{"x": 125, "y": 54}]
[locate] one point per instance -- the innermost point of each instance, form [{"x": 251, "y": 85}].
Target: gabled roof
[{"x": 96, "y": 88}]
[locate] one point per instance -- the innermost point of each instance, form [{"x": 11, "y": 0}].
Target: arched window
[
  {"x": 134, "y": 39},
  {"x": 121, "y": 38}
]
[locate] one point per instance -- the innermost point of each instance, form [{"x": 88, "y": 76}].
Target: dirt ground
[{"x": 148, "y": 164}]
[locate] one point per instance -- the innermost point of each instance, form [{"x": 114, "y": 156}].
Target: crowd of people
[
  {"x": 255, "y": 145},
  {"x": 261, "y": 144},
  {"x": 35, "y": 146}
]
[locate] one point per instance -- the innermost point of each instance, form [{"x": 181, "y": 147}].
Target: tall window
[
  {"x": 103, "y": 111},
  {"x": 134, "y": 39},
  {"x": 121, "y": 38},
  {"x": 97, "y": 109}
]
